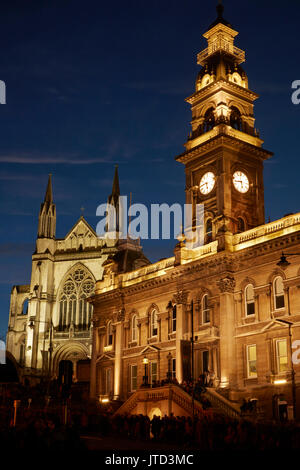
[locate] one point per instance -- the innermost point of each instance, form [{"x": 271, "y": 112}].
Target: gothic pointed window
[
  {"x": 209, "y": 120},
  {"x": 235, "y": 119},
  {"x": 73, "y": 307},
  {"x": 249, "y": 300}
]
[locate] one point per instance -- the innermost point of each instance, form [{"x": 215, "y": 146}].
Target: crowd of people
[{"x": 61, "y": 426}]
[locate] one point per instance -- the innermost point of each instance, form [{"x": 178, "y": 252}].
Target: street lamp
[
  {"x": 284, "y": 263},
  {"x": 145, "y": 378},
  {"x": 290, "y": 324}
]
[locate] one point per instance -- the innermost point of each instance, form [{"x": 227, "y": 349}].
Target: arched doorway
[
  {"x": 65, "y": 373},
  {"x": 155, "y": 412}
]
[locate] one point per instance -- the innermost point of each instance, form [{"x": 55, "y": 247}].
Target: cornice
[
  {"x": 222, "y": 140},
  {"x": 220, "y": 85}
]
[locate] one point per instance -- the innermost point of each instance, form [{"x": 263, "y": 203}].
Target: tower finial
[{"x": 220, "y": 9}]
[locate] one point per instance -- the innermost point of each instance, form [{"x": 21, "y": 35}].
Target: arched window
[
  {"x": 235, "y": 119},
  {"x": 63, "y": 305},
  {"x": 109, "y": 333},
  {"x": 73, "y": 307},
  {"x": 209, "y": 120},
  {"x": 205, "y": 309},
  {"x": 153, "y": 322},
  {"x": 134, "y": 328},
  {"x": 174, "y": 319},
  {"x": 25, "y": 307},
  {"x": 240, "y": 225},
  {"x": 249, "y": 300},
  {"x": 278, "y": 293},
  {"x": 208, "y": 231}
]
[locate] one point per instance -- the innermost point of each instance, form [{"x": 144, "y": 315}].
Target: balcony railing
[{"x": 239, "y": 54}]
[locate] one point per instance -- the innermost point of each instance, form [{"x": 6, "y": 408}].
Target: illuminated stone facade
[
  {"x": 231, "y": 285},
  {"x": 49, "y": 331}
]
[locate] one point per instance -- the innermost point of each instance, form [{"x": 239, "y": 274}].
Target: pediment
[
  {"x": 81, "y": 230},
  {"x": 150, "y": 348},
  {"x": 105, "y": 357},
  {"x": 273, "y": 324}
]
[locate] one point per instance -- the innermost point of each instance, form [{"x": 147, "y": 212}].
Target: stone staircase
[{"x": 171, "y": 398}]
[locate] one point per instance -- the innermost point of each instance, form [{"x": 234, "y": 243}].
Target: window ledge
[
  {"x": 132, "y": 344},
  {"x": 153, "y": 339},
  {"x": 108, "y": 348}
]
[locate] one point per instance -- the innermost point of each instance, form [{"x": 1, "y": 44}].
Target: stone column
[
  {"x": 227, "y": 330},
  {"x": 180, "y": 299},
  {"x": 93, "y": 373},
  {"x": 118, "y": 355}
]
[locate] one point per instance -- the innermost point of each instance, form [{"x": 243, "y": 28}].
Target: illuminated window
[
  {"x": 205, "y": 310},
  {"x": 133, "y": 378},
  {"x": 153, "y": 373},
  {"x": 153, "y": 322},
  {"x": 251, "y": 361},
  {"x": 108, "y": 386},
  {"x": 278, "y": 293},
  {"x": 134, "y": 328},
  {"x": 282, "y": 355},
  {"x": 73, "y": 306},
  {"x": 249, "y": 300}
]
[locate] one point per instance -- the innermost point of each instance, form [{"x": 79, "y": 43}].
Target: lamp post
[
  {"x": 50, "y": 349},
  {"x": 145, "y": 378},
  {"x": 290, "y": 324}
]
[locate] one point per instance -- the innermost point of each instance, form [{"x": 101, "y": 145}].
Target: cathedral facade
[
  {"x": 49, "y": 331},
  {"x": 229, "y": 307}
]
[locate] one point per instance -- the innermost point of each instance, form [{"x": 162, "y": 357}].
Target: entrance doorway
[
  {"x": 65, "y": 373},
  {"x": 205, "y": 359}
]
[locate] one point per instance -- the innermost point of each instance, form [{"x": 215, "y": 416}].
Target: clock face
[
  {"x": 207, "y": 183},
  {"x": 240, "y": 182}
]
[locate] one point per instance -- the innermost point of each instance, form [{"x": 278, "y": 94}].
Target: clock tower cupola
[{"x": 223, "y": 155}]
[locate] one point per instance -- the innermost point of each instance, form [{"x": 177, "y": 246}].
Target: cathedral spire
[
  {"x": 49, "y": 194},
  {"x": 116, "y": 185},
  {"x": 47, "y": 215}
]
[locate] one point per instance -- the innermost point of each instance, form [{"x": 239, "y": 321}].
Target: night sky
[{"x": 93, "y": 84}]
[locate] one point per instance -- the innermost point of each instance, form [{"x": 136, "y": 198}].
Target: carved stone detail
[
  {"x": 226, "y": 284},
  {"x": 181, "y": 297}
]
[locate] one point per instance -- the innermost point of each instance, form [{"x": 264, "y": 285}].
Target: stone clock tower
[{"x": 224, "y": 155}]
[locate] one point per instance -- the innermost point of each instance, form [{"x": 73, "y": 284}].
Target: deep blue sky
[{"x": 91, "y": 84}]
